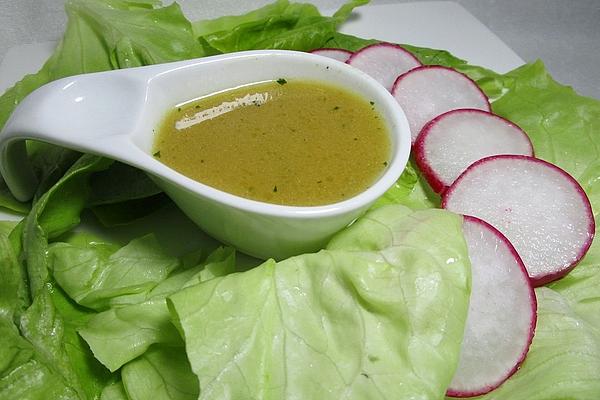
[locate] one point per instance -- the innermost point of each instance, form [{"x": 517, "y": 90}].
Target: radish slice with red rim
[
  {"x": 383, "y": 62},
  {"x": 431, "y": 90},
  {"x": 502, "y": 313},
  {"x": 337, "y": 54},
  {"x": 451, "y": 142},
  {"x": 540, "y": 208}
]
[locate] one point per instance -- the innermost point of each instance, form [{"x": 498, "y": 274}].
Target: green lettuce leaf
[
  {"x": 55, "y": 213},
  {"x": 281, "y": 25},
  {"x": 25, "y": 374},
  {"x": 581, "y": 287},
  {"x": 162, "y": 373},
  {"x": 14, "y": 293},
  {"x": 123, "y": 194},
  {"x": 381, "y": 318},
  {"x": 120, "y": 182},
  {"x": 97, "y": 278},
  {"x": 42, "y": 355},
  {"x": 410, "y": 190},
  {"x": 120, "y": 334},
  {"x": 114, "y": 391}
]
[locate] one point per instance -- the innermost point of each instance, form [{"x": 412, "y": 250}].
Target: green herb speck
[
  {"x": 281, "y": 81},
  {"x": 372, "y": 103},
  {"x": 178, "y": 109},
  {"x": 157, "y": 154},
  {"x": 274, "y": 188},
  {"x": 385, "y": 163},
  {"x": 336, "y": 108}
]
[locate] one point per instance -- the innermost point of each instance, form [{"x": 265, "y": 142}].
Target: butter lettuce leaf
[
  {"x": 379, "y": 320},
  {"x": 161, "y": 373},
  {"x": 410, "y": 190},
  {"x": 122, "y": 333},
  {"x": 114, "y": 391},
  {"x": 580, "y": 287},
  {"x": 97, "y": 278},
  {"x": 41, "y": 355},
  {"x": 281, "y": 25}
]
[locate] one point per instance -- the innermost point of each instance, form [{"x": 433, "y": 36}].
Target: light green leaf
[
  {"x": 282, "y": 25},
  {"x": 162, "y": 373},
  {"x": 114, "y": 391},
  {"x": 23, "y": 375},
  {"x": 344, "y": 323},
  {"x": 410, "y": 190},
  {"x": 97, "y": 278},
  {"x": 120, "y": 334}
]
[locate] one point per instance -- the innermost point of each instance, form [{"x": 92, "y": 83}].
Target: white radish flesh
[
  {"x": 451, "y": 142},
  {"x": 336, "y": 54},
  {"x": 540, "y": 208},
  {"x": 502, "y": 313},
  {"x": 428, "y": 91},
  {"x": 383, "y": 62}
]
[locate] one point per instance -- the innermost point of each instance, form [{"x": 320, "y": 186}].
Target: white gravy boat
[{"x": 115, "y": 113}]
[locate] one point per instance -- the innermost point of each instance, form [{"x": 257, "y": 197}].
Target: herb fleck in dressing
[{"x": 287, "y": 142}]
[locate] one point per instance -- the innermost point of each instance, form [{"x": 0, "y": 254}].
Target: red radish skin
[
  {"x": 451, "y": 142},
  {"x": 336, "y": 54},
  {"x": 540, "y": 208},
  {"x": 383, "y": 62},
  {"x": 431, "y": 90},
  {"x": 502, "y": 313}
]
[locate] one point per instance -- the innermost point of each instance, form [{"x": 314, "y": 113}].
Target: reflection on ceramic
[{"x": 114, "y": 114}]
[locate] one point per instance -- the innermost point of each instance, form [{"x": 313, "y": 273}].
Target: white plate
[{"x": 440, "y": 24}]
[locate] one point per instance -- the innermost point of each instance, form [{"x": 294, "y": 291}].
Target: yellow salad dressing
[{"x": 286, "y": 142}]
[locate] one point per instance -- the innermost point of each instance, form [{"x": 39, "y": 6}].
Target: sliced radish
[
  {"x": 384, "y": 62},
  {"x": 451, "y": 142},
  {"x": 502, "y": 313},
  {"x": 337, "y": 54},
  {"x": 540, "y": 208},
  {"x": 428, "y": 91}
]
